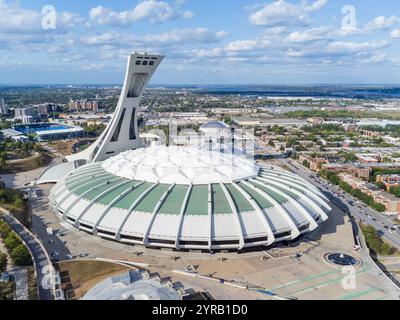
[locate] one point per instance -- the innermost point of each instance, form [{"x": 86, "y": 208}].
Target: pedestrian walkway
[
  {"x": 21, "y": 283},
  {"x": 4, "y": 250},
  {"x": 39, "y": 255}
]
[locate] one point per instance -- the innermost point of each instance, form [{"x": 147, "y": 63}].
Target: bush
[
  {"x": 3, "y": 262},
  {"x": 345, "y": 186},
  {"x": 12, "y": 241},
  {"x": 21, "y": 256},
  {"x": 375, "y": 242},
  {"x": 5, "y": 229}
]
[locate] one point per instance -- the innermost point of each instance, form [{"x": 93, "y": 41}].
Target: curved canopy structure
[
  {"x": 215, "y": 125},
  {"x": 189, "y": 165},
  {"x": 177, "y": 198}
]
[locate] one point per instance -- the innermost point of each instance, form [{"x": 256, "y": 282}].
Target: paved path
[
  {"x": 40, "y": 257},
  {"x": 21, "y": 283}
]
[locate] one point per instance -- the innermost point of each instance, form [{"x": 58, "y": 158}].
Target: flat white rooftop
[{"x": 180, "y": 165}]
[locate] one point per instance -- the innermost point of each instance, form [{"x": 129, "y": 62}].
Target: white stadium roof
[{"x": 180, "y": 165}]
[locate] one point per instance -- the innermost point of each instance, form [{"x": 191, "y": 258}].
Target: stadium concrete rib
[
  {"x": 181, "y": 215},
  {"x": 280, "y": 208},
  {"x": 237, "y": 218},
  {"x": 154, "y": 214}
]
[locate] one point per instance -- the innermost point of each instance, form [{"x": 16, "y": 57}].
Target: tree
[
  {"x": 3, "y": 262},
  {"x": 379, "y": 207},
  {"x": 380, "y": 185},
  {"x": 228, "y": 120},
  {"x": 21, "y": 256},
  {"x": 18, "y": 203},
  {"x": 345, "y": 186},
  {"x": 375, "y": 242}
]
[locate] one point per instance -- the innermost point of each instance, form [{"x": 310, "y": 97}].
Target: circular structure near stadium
[
  {"x": 186, "y": 198},
  {"x": 341, "y": 259}
]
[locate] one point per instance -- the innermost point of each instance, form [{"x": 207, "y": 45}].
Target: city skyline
[{"x": 272, "y": 42}]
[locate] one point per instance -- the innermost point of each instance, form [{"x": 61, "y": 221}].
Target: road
[
  {"x": 39, "y": 204},
  {"x": 343, "y": 200},
  {"x": 42, "y": 263}
]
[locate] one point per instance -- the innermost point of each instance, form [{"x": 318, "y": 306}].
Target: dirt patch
[
  {"x": 32, "y": 284},
  {"x": 65, "y": 148},
  {"x": 28, "y": 164},
  {"x": 7, "y": 291},
  {"x": 78, "y": 277}
]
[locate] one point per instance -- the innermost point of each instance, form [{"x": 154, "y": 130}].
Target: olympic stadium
[{"x": 181, "y": 198}]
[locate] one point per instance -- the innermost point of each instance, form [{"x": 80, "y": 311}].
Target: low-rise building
[
  {"x": 14, "y": 135},
  {"x": 268, "y": 122},
  {"x": 391, "y": 202},
  {"x": 389, "y": 180},
  {"x": 316, "y": 164},
  {"x": 354, "y": 182},
  {"x": 316, "y": 120},
  {"x": 391, "y": 140},
  {"x": 370, "y": 134},
  {"x": 368, "y": 158}
]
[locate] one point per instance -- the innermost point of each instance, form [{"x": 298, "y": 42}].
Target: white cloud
[
  {"x": 14, "y": 19},
  {"x": 395, "y": 34},
  {"x": 381, "y": 23},
  {"x": 199, "y": 35},
  {"x": 151, "y": 10},
  {"x": 374, "y": 58},
  {"x": 68, "y": 20},
  {"x": 355, "y": 47},
  {"x": 173, "y": 37},
  {"x": 247, "y": 45},
  {"x": 294, "y": 53},
  {"x": 315, "y": 34},
  {"x": 202, "y": 53},
  {"x": 282, "y": 13},
  {"x": 395, "y": 60}
]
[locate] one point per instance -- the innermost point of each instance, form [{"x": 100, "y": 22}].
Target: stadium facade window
[
  {"x": 83, "y": 225},
  {"x": 259, "y": 239},
  {"x": 283, "y": 234},
  {"x": 161, "y": 241},
  {"x": 109, "y": 233},
  {"x": 132, "y": 126},
  {"x": 225, "y": 242},
  {"x": 115, "y": 136},
  {"x": 126, "y": 237},
  {"x": 193, "y": 243}
]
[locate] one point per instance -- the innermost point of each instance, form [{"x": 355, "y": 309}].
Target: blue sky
[{"x": 204, "y": 41}]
